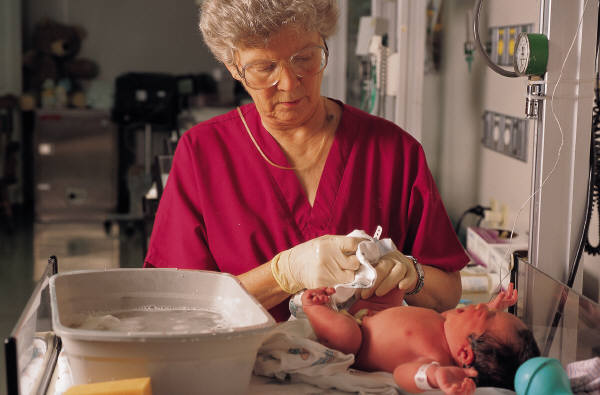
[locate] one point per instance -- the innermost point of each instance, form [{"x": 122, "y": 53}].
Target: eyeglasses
[{"x": 264, "y": 74}]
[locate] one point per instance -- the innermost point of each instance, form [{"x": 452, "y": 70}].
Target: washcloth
[
  {"x": 585, "y": 376},
  {"x": 368, "y": 253},
  {"x": 292, "y": 353}
]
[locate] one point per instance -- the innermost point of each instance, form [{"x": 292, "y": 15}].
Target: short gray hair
[{"x": 225, "y": 24}]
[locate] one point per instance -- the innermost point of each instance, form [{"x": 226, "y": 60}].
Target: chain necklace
[{"x": 328, "y": 118}]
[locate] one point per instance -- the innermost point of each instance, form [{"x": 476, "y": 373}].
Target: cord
[
  {"x": 593, "y": 194},
  {"x": 478, "y": 210}
]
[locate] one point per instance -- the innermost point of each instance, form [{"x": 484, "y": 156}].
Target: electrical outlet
[
  {"x": 519, "y": 140},
  {"x": 505, "y": 134}
]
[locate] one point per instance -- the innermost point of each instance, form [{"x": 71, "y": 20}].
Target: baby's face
[{"x": 476, "y": 319}]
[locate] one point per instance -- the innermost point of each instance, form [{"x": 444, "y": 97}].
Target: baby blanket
[{"x": 291, "y": 353}]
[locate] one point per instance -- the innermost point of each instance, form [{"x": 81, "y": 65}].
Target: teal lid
[{"x": 541, "y": 375}]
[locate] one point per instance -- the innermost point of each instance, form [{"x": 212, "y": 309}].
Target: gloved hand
[
  {"x": 394, "y": 269},
  {"x": 321, "y": 262}
]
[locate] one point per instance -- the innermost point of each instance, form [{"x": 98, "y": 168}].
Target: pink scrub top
[{"x": 225, "y": 208}]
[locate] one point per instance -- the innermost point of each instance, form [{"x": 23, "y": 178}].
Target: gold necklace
[{"x": 328, "y": 118}]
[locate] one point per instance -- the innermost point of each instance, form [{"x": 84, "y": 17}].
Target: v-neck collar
[{"x": 311, "y": 221}]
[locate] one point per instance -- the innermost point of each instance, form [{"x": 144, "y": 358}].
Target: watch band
[{"x": 420, "y": 276}]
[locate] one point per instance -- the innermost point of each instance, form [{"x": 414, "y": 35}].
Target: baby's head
[
  {"x": 494, "y": 343},
  {"x": 497, "y": 361}
]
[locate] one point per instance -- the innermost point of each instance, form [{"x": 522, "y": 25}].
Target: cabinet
[{"x": 75, "y": 165}]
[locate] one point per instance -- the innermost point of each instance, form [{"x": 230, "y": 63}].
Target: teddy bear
[{"x": 52, "y": 72}]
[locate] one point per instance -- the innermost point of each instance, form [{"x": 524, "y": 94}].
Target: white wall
[
  {"x": 432, "y": 122},
  {"x": 132, "y": 35},
  {"x": 466, "y": 172},
  {"x": 452, "y": 116}
]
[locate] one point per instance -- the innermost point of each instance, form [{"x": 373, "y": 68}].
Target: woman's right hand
[
  {"x": 321, "y": 262},
  {"x": 394, "y": 270}
]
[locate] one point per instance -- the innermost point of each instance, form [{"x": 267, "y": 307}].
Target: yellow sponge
[{"x": 139, "y": 386}]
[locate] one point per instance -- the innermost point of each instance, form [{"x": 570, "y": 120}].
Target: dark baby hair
[{"x": 497, "y": 363}]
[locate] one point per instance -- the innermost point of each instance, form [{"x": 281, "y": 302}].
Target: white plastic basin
[{"x": 215, "y": 361}]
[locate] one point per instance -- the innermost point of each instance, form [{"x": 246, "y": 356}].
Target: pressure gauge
[{"x": 531, "y": 54}]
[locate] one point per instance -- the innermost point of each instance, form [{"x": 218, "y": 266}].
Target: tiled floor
[{"x": 29, "y": 244}]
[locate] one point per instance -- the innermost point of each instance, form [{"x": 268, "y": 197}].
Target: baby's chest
[{"x": 409, "y": 336}]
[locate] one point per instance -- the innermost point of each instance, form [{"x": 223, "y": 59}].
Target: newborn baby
[{"x": 452, "y": 351}]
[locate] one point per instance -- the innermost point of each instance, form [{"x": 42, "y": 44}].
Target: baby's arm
[
  {"x": 334, "y": 329},
  {"x": 504, "y": 299},
  {"x": 375, "y": 303},
  {"x": 450, "y": 379}
]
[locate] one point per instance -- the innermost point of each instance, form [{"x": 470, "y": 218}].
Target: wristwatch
[{"x": 420, "y": 276}]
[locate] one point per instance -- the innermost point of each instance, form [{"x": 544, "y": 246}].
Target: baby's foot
[{"x": 318, "y": 296}]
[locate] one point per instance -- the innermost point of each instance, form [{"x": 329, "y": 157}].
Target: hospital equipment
[
  {"x": 531, "y": 59},
  {"x": 372, "y": 47},
  {"x": 531, "y": 54},
  {"x": 65, "y": 137},
  {"x": 593, "y": 192},
  {"x": 469, "y": 45}
]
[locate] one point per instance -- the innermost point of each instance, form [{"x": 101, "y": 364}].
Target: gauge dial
[
  {"x": 531, "y": 54},
  {"x": 522, "y": 53}
]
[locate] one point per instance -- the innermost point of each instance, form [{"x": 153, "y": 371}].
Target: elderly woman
[{"x": 268, "y": 191}]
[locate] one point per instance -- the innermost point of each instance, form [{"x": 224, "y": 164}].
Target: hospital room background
[{"x": 511, "y": 154}]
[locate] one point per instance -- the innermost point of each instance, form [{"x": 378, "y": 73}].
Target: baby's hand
[
  {"x": 317, "y": 296},
  {"x": 504, "y": 299},
  {"x": 456, "y": 381}
]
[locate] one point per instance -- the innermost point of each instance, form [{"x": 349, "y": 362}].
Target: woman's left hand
[{"x": 394, "y": 269}]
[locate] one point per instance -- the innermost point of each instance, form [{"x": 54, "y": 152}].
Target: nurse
[{"x": 266, "y": 192}]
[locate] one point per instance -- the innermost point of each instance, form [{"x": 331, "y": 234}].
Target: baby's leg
[{"x": 335, "y": 330}]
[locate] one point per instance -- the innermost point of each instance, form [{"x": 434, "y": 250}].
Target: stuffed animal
[{"x": 52, "y": 71}]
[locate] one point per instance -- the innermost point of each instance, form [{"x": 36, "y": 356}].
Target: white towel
[
  {"x": 585, "y": 376},
  {"x": 292, "y": 353},
  {"x": 368, "y": 253}
]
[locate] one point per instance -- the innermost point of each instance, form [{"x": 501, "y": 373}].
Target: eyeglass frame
[{"x": 242, "y": 74}]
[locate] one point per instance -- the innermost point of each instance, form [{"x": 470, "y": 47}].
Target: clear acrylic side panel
[
  {"x": 566, "y": 325},
  {"x": 32, "y": 348}
]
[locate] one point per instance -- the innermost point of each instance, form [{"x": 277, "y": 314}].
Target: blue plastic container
[{"x": 541, "y": 375}]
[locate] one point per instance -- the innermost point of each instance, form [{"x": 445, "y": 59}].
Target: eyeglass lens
[{"x": 307, "y": 62}]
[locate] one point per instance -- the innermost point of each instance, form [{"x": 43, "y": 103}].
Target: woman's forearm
[
  {"x": 442, "y": 290},
  {"x": 262, "y": 285}
]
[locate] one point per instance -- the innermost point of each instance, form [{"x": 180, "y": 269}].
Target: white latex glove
[
  {"x": 321, "y": 262},
  {"x": 394, "y": 269}
]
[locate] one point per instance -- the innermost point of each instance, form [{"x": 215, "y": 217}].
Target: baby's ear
[{"x": 465, "y": 355}]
